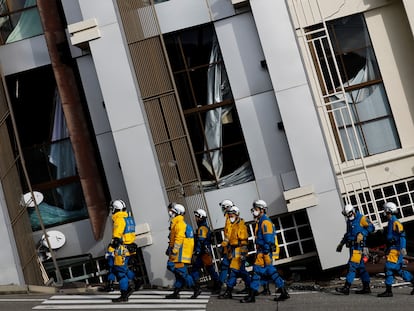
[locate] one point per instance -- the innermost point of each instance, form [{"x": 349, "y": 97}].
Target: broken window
[
  {"x": 208, "y": 106},
  {"x": 19, "y": 19},
  {"x": 46, "y": 148}
]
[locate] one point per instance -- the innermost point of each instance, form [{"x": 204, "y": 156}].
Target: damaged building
[{"x": 306, "y": 104}]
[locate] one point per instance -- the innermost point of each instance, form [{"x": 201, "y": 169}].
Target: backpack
[{"x": 189, "y": 232}]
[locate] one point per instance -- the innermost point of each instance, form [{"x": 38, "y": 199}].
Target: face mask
[
  {"x": 232, "y": 219},
  {"x": 171, "y": 214},
  {"x": 352, "y": 217},
  {"x": 256, "y": 213}
]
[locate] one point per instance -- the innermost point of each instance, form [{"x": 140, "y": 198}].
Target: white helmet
[
  {"x": 200, "y": 213},
  {"x": 348, "y": 209},
  {"x": 177, "y": 209},
  {"x": 117, "y": 206},
  {"x": 226, "y": 205},
  {"x": 390, "y": 208},
  {"x": 234, "y": 210},
  {"x": 260, "y": 204}
]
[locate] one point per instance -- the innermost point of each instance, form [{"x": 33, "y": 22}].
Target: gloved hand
[
  {"x": 339, "y": 247},
  {"x": 206, "y": 249},
  {"x": 365, "y": 251},
  {"x": 168, "y": 251},
  {"x": 109, "y": 254},
  {"x": 403, "y": 251},
  {"x": 244, "y": 251},
  {"x": 115, "y": 242},
  {"x": 223, "y": 249},
  {"x": 360, "y": 238},
  {"x": 173, "y": 254}
]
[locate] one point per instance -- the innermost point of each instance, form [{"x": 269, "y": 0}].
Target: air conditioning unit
[
  {"x": 83, "y": 32},
  {"x": 300, "y": 198},
  {"x": 239, "y": 3}
]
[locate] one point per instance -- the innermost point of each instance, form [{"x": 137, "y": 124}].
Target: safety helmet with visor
[
  {"x": 200, "y": 213},
  {"x": 258, "y": 204},
  {"x": 233, "y": 213},
  {"x": 226, "y": 205},
  {"x": 175, "y": 209},
  {"x": 117, "y": 206},
  {"x": 348, "y": 211},
  {"x": 390, "y": 208}
]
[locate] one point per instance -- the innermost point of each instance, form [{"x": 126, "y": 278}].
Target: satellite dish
[
  {"x": 28, "y": 200},
  {"x": 56, "y": 239}
]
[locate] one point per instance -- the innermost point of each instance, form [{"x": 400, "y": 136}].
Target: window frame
[
  {"x": 193, "y": 110},
  {"x": 332, "y": 70}
]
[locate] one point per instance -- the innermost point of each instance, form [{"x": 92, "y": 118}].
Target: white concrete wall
[
  {"x": 136, "y": 157},
  {"x": 10, "y": 269},
  {"x": 306, "y": 143}
]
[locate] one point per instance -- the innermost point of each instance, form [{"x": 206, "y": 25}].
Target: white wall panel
[
  {"x": 267, "y": 145},
  {"x": 220, "y": 9},
  {"x": 180, "y": 14},
  {"x": 103, "y": 10},
  {"x": 116, "y": 80},
  {"x": 242, "y": 53},
  {"x": 93, "y": 94},
  {"x": 10, "y": 268},
  {"x": 24, "y": 55}
]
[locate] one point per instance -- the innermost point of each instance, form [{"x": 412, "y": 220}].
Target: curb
[
  {"x": 39, "y": 289},
  {"x": 13, "y": 289}
]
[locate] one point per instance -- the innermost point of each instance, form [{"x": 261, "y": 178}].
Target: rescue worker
[
  {"x": 238, "y": 241},
  {"x": 358, "y": 227},
  {"x": 225, "y": 205},
  {"x": 120, "y": 269},
  {"x": 202, "y": 257},
  {"x": 265, "y": 237},
  {"x": 396, "y": 250},
  {"x": 265, "y": 281},
  {"x": 123, "y": 232},
  {"x": 180, "y": 250}
]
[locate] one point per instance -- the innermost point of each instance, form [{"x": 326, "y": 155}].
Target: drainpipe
[{"x": 79, "y": 133}]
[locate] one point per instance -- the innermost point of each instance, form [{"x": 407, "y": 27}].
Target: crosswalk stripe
[
  {"x": 142, "y": 300},
  {"x": 189, "y": 307},
  {"x": 122, "y": 306},
  {"x": 100, "y": 301}
]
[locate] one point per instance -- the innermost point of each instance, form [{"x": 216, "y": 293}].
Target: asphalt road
[
  {"x": 321, "y": 300},
  {"x": 306, "y": 297}
]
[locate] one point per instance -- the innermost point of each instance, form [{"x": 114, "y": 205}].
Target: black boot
[
  {"x": 250, "y": 298},
  {"x": 124, "y": 295},
  {"x": 174, "y": 295},
  {"x": 227, "y": 294},
  {"x": 412, "y": 292},
  {"x": 387, "y": 293},
  {"x": 216, "y": 288},
  {"x": 345, "y": 289},
  {"x": 365, "y": 289},
  {"x": 138, "y": 283},
  {"x": 265, "y": 291},
  {"x": 197, "y": 291},
  {"x": 283, "y": 294}
]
